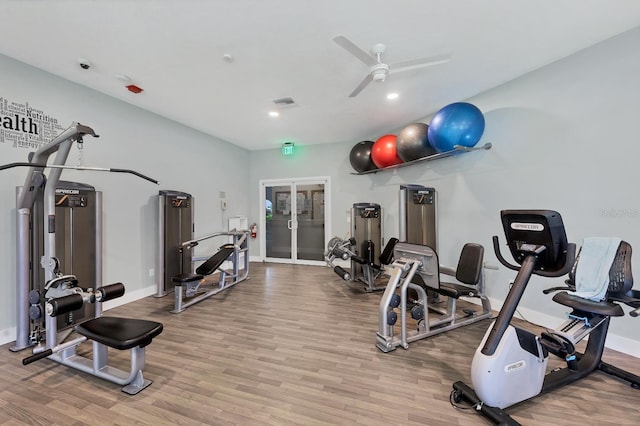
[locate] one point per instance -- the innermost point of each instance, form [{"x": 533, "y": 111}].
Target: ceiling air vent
[{"x": 284, "y": 102}]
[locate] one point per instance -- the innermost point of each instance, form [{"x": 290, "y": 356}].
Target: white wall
[
  {"x": 178, "y": 157},
  {"x": 564, "y": 138}
]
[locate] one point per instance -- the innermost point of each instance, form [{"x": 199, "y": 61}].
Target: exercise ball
[
  {"x": 384, "y": 152},
  {"x": 360, "y": 157},
  {"x": 413, "y": 142},
  {"x": 460, "y": 123}
]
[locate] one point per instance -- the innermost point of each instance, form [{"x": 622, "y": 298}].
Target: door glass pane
[
  {"x": 310, "y": 221},
  {"x": 278, "y": 215}
]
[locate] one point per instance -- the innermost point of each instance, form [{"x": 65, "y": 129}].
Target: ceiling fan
[{"x": 378, "y": 70}]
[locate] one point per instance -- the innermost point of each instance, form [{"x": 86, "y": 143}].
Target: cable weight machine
[{"x": 55, "y": 293}]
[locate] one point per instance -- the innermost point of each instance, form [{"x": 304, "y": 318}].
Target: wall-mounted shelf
[{"x": 457, "y": 149}]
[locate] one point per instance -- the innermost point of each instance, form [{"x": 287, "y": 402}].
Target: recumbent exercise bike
[{"x": 509, "y": 366}]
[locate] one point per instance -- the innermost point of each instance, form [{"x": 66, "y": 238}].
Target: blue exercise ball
[{"x": 460, "y": 123}]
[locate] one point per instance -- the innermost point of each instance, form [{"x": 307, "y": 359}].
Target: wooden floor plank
[{"x": 294, "y": 345}]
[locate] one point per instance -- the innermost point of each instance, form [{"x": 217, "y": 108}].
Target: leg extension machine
[{"x": 371, "y": 271}]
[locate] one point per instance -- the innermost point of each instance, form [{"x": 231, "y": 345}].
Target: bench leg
[
  {"x": 132, "y": 382},
  {"x": 137, "y": 385},
  {"x": 100, "y": 365},
  {"x": 177, "y": 302}
]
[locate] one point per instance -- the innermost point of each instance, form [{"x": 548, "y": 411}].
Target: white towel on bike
[{"x": 592, "y": 273}]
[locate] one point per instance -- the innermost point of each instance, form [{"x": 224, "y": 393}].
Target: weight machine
[
  {"x": 57, "y": 293},
  {"x": 338, "y": 248},
  {"x": 176, "y": 258},
  {"x": 367, "y": 262},
  {"x": 412, "y": 261},
  {"x": 188, "y": 284}
]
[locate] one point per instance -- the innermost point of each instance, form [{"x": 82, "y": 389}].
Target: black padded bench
[
  {"x": 468, "y": 272},
  {"x": 207, "y": 268},
  {"x": 120, "y": 333}
]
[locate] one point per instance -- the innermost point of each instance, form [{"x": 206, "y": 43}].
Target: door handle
[{"x": 290, "y": 224}]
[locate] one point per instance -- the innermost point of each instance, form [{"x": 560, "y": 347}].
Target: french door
[{"x": 295, "y": 220}]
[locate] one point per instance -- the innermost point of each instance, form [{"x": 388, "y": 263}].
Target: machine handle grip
[
  {"x": 133, "y": 172},
  {"x": 37, "y": 357},
  {"x": 487, "y": 265},
  {"x": 109, "y": 292},
  {"x": 496, "y": 249},
  {"x": 62, "y": 305},
  {"x": 10, "y": 165}
]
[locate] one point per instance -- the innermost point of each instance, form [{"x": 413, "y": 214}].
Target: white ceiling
[{"x": 174, "y": 50}]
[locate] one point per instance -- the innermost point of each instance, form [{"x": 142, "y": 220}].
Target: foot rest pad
[{"x": 120, "y": 333}]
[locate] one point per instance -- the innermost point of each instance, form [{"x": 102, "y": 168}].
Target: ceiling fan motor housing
[{"x": 379, "y": 72}]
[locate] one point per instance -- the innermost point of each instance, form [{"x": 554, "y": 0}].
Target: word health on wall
[{"x": 24, "y": 126}]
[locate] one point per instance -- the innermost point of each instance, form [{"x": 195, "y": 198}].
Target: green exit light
[{"x": 287, "y": 148}]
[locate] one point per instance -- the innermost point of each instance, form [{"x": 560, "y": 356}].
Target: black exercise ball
[
  {"x": 413, "y": 143},
  {"x": 360, "y": 157}
]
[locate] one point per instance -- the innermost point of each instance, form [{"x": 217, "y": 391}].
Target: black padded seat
[
  {"x": 186, "y": 278},
  {"x": 214, "y": 262},
  {"x": 386, "y": 257},
  {"x": 120, "y": 333},
  {"x": 468, "y": 271},
  {"x": 586, "y": 305}
]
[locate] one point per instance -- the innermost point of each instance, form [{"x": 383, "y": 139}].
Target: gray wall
[
  {"x": 563, "y": 138},
  {"x": 179, "y": 157}
]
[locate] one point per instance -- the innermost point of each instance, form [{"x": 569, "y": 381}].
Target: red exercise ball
[{"x": 384, "y": 152}]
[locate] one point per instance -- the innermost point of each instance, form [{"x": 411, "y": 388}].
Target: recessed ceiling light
[
  {"x": 392, "y": 96},
  {"x": 274, "y": 113}
]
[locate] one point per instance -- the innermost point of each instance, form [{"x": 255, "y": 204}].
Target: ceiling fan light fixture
[{"x": 379, "y": 76}]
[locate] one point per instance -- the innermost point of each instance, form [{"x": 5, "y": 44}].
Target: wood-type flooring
[{"x": 293, "y": 345}]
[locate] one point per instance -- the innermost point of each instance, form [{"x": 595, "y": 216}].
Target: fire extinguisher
[{"x": 254, "y": 230}]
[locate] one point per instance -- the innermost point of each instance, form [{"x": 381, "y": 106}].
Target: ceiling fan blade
[
  {"x": 346, "y": 44},
  {"x": 419, "y": 63},
  {"x": 361, "y": 86}
]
